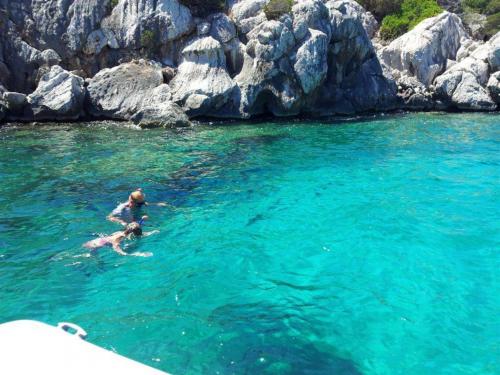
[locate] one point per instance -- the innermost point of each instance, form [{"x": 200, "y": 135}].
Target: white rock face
[
  {"x": 423, "y": 52},
  {"x": 310, "y": 14},
  {"x": 165, "y": 19},
  {"x": 59, "y": 96},
  {"x": 464, "y": 84},
  {"x": 134, "y": 91},
  {"x": 353, "y": 9},
  {"x": 84, "y": 17},
  {"x": 310, "y": 61},
  {"x": 247, "y": 14},
  {"x": 202, "y": 84},
  {"x": 98, "y": 39}
]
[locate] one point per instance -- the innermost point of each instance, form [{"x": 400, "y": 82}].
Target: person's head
[
  {"x": 133, "y": 228},
  {"x": 137, "y": 198}
]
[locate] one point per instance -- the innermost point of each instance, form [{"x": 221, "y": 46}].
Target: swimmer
[
  {"x": 116, "y": 238},
  {"x": 130, "y": 211}
]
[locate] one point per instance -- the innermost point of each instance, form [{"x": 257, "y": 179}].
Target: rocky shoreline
[{"x": 153, "y": 63}]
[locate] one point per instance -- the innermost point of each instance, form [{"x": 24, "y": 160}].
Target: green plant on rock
[
  {"x": 276, "y": 8},
  {"x": 412, "y": 13},
  {"x": 113, "y": 3},
  {"x": 492, "y": 25},
  {"x": 381, "y": 8},
  {"x": 476, "y": 5}
]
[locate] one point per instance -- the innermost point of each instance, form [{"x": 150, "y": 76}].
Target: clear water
[{"x": 367, "y": 247}]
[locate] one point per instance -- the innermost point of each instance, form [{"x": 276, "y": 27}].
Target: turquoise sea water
[{"x": 362, "y": 247}]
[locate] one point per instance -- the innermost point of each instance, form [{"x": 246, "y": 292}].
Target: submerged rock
[{"x": 59, "y": 96}]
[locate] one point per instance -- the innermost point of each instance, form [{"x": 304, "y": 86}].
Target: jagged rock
[
  {"x": 203, "y": 28},
  {"x": 119, "y": 92},
  {"x": 202, "y": 84},
  {"x": 50, "y": 57},
  {"x": 134, "y": 91},
  {"x": 222, "y": 28},
  {"x": 98, "y": 39},
  {"x": 135, "y": 22},
  {"x": 269, "y": 41},
  {"x": 424, "y": 51},
  {"x": 493, "y": 47},
  {"x": 85, "y": 17},
  {"x": 267, "y": 81},
  {"x": 494, "y": 87},
  {"x": 463, "y": 85},
  {"x": 247, "y": 14},
  {"x": 59, "y": 96},
  {"x": 157, "y": 110},
  {"x": 23, "y": 61},
  {"x": 355, "y": 81},
  {"x": 310, "y": 14},
  {"x": 353, "y": 9},
  {"x": 467, "y": 47},
  {"x": 14, "y": 101},
  {"x": 464, "y": 92},
  {"x": 310, "y": 62},
  {"x": 414, "y": 94}
]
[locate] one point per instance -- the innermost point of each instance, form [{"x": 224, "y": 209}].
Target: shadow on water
[
  {"x": 262, "y": 341},
  {"x": 207, "y": 169}
]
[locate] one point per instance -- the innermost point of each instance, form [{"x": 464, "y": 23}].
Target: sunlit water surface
[{"x": 361, "y": 247}]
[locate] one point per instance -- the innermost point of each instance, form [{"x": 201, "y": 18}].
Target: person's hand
[
  {"x": 145, "y": 217},
  {"x": 145, "y": 254},
  {"x": 162, "y": 204}
]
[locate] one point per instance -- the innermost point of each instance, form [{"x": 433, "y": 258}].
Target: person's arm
[
  {"x": 159, "y": 204},
  {"x": 117, "y": 248},
  {"x": 145, "y": 234},
  {"x": 115, "y": 219}
]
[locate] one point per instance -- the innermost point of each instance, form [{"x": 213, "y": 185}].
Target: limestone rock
[
  {"x": 267, "y": 80},
  {"x": 247, "y": 14},
  {"x": 310, "y": 63},
  {"x": 98, "y": 39},
  {"x": 59, "y": 96},
  {"x": 424, "y": 51},
  {"x": 14, "y": 101},
  {"x": 353, "y": 9},
  {"x": 493, "y": 47},
  {"x": 119, "y": 92},
  {"x": 494, "y": 87},
  {"x": 134, "y": 21},
  {"x": 203, "y": 28},
  {"x": 222, "y": 28},
  {"x": 310, "y": 14},
  {"x": 202, "y": 84},
  {"x": 464, "y": 84},
  {"x": 157, "y": 110},
  {"x": 134, "y": 91}
]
